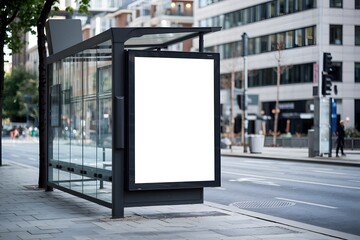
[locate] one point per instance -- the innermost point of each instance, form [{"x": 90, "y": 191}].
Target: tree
[
  {"x": 280, "y": 69},
  {"x": 16, "y": 18},
  {"x": 28, "y": 96},
  {"x": 17, "y": 85}
]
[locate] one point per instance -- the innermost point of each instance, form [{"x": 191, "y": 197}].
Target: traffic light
[
  {"x": 327, "y": 64},
  {"x": 326, "y": 84},
  {"x": 245, "y": 45},
  {"x": 239, "y": 99}
]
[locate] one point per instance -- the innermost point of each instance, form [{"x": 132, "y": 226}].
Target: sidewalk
[
  {"x": 295, "y": 154},
  {"x": 29, "y": 213}
]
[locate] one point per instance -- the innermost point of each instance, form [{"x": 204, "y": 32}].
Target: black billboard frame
[{"x": 132, "y": 185}]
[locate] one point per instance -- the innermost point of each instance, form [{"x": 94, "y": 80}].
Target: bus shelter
[{"x": 131, "y": 123}]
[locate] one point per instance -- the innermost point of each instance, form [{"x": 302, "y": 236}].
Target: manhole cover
[{"x": 262, "y": 204}]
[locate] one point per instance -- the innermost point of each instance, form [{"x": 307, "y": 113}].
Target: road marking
[
  {"x": 254, "y": 161},
  {"x": 335, "y": 173},
  {"x": 292, "y": 180},
  {"x": 308, "y": 203},
  {"x": 249, "y": 165},
  {"x": 255, "y": 181},
  {"x": 357, "y": 181},
  {"x": 322, "y": 169}
]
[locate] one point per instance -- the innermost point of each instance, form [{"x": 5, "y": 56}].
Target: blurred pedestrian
[{"x": 340, "y": 133}]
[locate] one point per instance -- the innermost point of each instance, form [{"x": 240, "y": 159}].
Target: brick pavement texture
[{"x": 29, "y": 213}]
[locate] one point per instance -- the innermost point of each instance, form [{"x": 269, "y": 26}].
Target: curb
[
  {"x": 292, "y": 158},
  {"x": 286, "y": 222}
]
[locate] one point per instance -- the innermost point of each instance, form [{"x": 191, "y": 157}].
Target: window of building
[
  {"x": 337, "y": 71},
  {"x": 227, "y": 51},
  {"x": 298, "y": 6},
  {"x": 309, "y": 36},
  {"x": 280, "y": 38},
  {"x": 204, "y": 3},
  {"x": 252, "y": 14},
  {"x": 302, "y": 73},
  {"x": 264, "y": 10},
  {"x": 357, "y": 4},
  {"x": 357, "y": 35},
  {"x": 238, "y": 18},
  {"x": 357, "y": 72},
  {"x": 246, "y": 16},
  {"x": 264, "y": 44},
  {"x": 258, "y": 12},
  {"x": 299, "y": 35},
  {"x": 290, "y": 6},
  {"x": 251, "y": 46},
  {"x": 267, "y": 43},
  {"x": 227, "y": 21},
  {"x": 272, "y": 42},
  {"x": 272, "y": 9},
  {"x": 308, "y": 4},
  {"x": 357, "y": 114},
  {"x": 336, "y": 34},
  {"x": 289, "y": 39},
  {"x": 257, "y": 45},
  {"x": 336, "y": 4},
  {"x": 281, "y": 7}
]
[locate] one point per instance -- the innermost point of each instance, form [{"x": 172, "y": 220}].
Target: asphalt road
[
  {"x": 22, "y": 152},
  {"x": 322, "y": 195},
  {"x": 318, "y": 194}
]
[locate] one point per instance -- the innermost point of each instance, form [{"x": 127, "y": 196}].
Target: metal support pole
[
  {"x": 101, "y": 181},
  {"x": 330, "y": 132},
  {"x": 246, "y": 123},
  {"x": 201, "y": 42},
  {"x": 118, "y": 153}
]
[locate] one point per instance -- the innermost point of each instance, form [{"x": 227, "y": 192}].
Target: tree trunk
[
  {"x": 43, "y": 93},
  {"x": 277, "y": 110},
  {"x": 2, "y": 77}
]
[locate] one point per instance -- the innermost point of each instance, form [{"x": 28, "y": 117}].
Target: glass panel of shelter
[
  {"x": 104, "y": 121},
  {"x": 54, "y": 157},
  {"x": 89, "y": 150},
  {"x": 82, "y": 141},
  {"x": 62, "y": 129}
]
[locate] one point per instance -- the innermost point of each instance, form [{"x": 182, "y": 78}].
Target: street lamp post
[{"x": 245, "y": 39}]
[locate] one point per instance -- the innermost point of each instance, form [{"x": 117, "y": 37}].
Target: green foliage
[
  {"x": 26, "y": 13},
  {"x": 352, "y": 132},
  {"x": 17, "y": 86},
  {"x": 84, "y": 6}
]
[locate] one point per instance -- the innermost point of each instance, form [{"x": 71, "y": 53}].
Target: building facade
[{"x": 294, "y": 33}]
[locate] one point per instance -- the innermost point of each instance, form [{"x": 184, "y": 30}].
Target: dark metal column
[
  {"x": 118, "y": 151},
  {"x": 201, "y": 42}
]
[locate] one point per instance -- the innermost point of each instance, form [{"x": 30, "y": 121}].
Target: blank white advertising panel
[{"x": 174, "y": 120}]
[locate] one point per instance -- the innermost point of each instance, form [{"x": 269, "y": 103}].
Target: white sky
[{"x": 7, "y": 51}]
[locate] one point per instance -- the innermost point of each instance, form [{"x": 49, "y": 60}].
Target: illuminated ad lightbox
[{"x": 174, "y": 120}]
